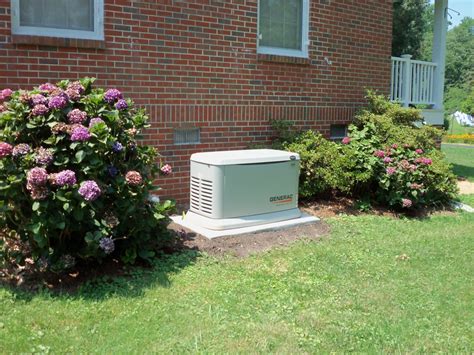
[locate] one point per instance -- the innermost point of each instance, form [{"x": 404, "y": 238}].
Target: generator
[{"x": 241, "y": 188}]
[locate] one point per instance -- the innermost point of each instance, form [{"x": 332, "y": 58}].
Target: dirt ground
[{"x": 245, "y": 244}]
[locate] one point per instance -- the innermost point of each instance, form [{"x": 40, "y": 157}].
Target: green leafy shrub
[
  {"x": 325, "y": 165},
  {"x": 393, "y": 124},
  {"x": 74, "y": 183}
]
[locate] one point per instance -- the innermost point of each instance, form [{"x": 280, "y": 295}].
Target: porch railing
[{"x": 412, "y": 81}]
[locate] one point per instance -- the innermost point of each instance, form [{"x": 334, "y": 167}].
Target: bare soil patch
[{"x": 245, "y": 244}]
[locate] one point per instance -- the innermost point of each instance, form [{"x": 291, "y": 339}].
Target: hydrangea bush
[{"x": 74, "y": 183}]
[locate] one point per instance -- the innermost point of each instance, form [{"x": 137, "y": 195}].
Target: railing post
[{"x": 406, "y": 81}]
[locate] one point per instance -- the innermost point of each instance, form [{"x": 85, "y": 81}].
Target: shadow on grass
[
  {"x": 464, "y": 171},
  {"x": 102, "y": 281}
]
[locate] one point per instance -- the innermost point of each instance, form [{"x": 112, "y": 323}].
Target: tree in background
[{"x": 410, "y": 23}]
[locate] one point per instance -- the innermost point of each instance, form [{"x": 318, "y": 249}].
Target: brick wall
[{"x": 194, "y": 63}]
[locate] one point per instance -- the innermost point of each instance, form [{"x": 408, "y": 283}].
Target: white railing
[{"x": 412, "y": 81}]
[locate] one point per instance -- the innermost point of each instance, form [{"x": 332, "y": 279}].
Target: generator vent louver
[{"x": 201, "y": 195}]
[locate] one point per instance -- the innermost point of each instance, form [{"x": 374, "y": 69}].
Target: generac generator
[{"x": 241, "y": 188}]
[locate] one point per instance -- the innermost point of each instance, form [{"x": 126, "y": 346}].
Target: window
[
  {"x": 82, "y": 19},
  {"x": 338, "y": 131},
  {"x": 283, "y": 27},
  {"x": 186, "y": 136}
]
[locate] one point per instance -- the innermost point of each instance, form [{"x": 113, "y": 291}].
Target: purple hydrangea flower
[
  {"x": 39, "y": 110},
  {"x": 57, "y": 102},
  {"x": 76, "y": 116},
  {"x": 112, "y": 170},
  {"x": 5, "y": 149},
  {"x": 65, "y": 177},
  {"x": 112, "y": 95},
  {"x": 95, "y": 121},
  {"x": 166, "y": 169},
  {"x": 107, "y": 245},
  {"x": 21, "y": 149},
  {"x": 5, "y": 94},
  {"x": 89, "y": 190},
  {"x": 37, "y": 177},
  {"x": 39, "y": 99},
  {"x": 390, "y": 170},
  {"x": 43, "y": 156},
  {"x": 117, "y": 147},
  {"x": 121, "y": 105},
  {"x": 74, "y": 90},
  {"x": 80, "y": 134},
  {"x": 406, "y": 203}
]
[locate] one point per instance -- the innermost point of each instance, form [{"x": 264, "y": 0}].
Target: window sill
[
  {"x": 282, "y": 59},
  {"x": 58, "y": 42}
]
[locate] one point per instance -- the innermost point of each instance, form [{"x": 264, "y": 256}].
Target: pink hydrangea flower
[
  {"x": 379, "y": 153},
  {"x": 166, "y": 169},
  {"x": 133, "y": 178},
  {"x": 5, "y": 149},
  {"x": 76, "y": 116},
  {"x": 346, "y": 140},
  {"x": 387, "y": 160},
  {"x": 406, "y": 203},
  {"x": 5, "y": 94},
  {"x": 21, "y": 149},
  {"x": 36, "y": 177},
  {"x": 419, "y": 151},
  {"x": 47, "y": 87},
  {"x": 426, "y": 161},
  {"x": 2, "y": 108},
  {"x": 390, "y": 170},
  {"x": 394, "y": 146}
]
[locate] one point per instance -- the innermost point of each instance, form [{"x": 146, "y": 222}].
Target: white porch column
[{"x": 439, "y": 50}]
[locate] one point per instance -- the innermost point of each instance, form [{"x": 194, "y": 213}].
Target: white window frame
[
  {"x": 97, "y": 34},
  {"x": 303, "y": 53}
]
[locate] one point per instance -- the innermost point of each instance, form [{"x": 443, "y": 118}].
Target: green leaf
[
  {"x": 80, "y": 155},
  {"x": 78, "y": 214},
  {"x": 35, "y": 206},
  {"x": 66, "y": 206}
]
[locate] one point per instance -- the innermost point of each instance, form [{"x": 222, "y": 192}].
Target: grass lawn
[
  {"x": 456, "y": 128},
  {"x": 376, "y": 284},
  {"x": 462, "y": 159}
]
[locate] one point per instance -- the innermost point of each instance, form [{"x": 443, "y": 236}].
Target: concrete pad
[{"x": 210, "y": 234}]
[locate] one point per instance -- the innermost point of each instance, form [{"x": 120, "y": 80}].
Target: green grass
[
  {"x": 348, "y": 292},
  {"x": 456, "y": 128},
  {"x": 462, "y": 159}
]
